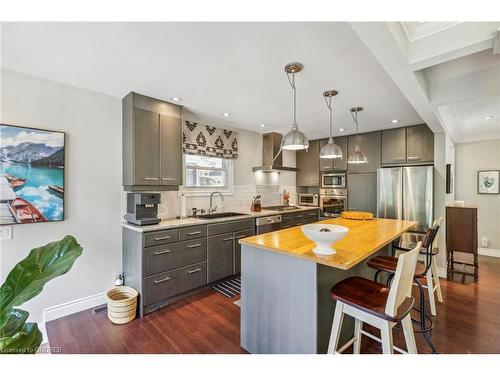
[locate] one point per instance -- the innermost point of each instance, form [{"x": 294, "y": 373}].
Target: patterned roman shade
[{"x": 208, "y": 140}]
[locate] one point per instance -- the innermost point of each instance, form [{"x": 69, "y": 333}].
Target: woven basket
[{"x": 122, "y": 304}]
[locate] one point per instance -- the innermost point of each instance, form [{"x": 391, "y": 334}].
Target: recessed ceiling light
[
  {"x": 395, "y": 121},
  {"x": 341, "y": 129},
  {"x": 176, "y": 99},
  {"x": 488, "y": 117},
  {"x": 226, "y": 114},
  {"x": 263, "y": 125}
]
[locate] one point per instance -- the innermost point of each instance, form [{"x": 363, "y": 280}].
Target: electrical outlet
[
  {"x": 6, "y": 232},
  {"x": 484, "y": 241}
]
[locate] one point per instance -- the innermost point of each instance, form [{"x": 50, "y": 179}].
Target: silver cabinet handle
[
  {"x": 162, "y": 238},
  {"x": 168, "y": 179},
  {"x": 238, "y": 237},
  {"x": 413, "y": 157},
  {"x": 193, "y": 246},
  {"x": 162, "y": 280},
  {"x": 193, "y": 233},
  {"x": 151, "y": 178},
  {"x": 298, "y": 216},
  {"x": 227, "y": 239},
  {"x": 194, "y": 271},
  {"x": 161, "y": 252}
]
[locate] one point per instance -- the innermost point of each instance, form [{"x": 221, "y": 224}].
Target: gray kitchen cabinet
[
  {"x": 308, "y": 164},
  {"x": 420, "y": 144},
  {"x": 394, "y": 146},
  {"x": 369, "y": 143},
  {"x": 220, "y": 256},
  {"x": 362, "y": 192},
  {"x": 237, "y": 247},
  {"x": 328, "y": 165},
  {"x": 152, "y": 144},
  {"x": 170, "y": 150}
]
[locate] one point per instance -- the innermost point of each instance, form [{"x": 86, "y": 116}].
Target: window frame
[{"x": 202, "y": 191}]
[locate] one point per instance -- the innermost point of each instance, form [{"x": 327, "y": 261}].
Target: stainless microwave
[
  {"x": 307, "y": 199},
  {"x": 333, "y": 180}
]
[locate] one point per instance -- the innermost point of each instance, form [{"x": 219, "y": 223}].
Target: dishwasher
[{"x": 267, "y": 224}]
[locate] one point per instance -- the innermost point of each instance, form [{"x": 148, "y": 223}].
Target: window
[{"x": 206, "y": 172}]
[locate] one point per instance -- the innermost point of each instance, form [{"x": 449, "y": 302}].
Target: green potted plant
[{"x": 25, "y": 281}]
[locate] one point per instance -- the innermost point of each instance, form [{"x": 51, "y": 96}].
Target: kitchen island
[{"x": 285, "y": 298}]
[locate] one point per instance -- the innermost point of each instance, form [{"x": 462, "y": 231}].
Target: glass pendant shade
[
  {"x": 357, "y": 157},
  {"x": 294, "y": 140},
  {"x": 331, "y": 150}
]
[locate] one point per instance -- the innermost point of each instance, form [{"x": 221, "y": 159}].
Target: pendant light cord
[
  {"x": 292, "y": 83},
  {"x": 354, "y": 116},
  {"x": 328, "y": 101}
]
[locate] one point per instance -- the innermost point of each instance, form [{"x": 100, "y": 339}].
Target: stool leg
[
  {"x": 338, "y": 318},
  {"x": 430, "y": 291},
  {"x": 411, "y": 345},
  {"x": 386, "y": 335},
  {"x": 358, "y": 326},
  {"x": 435, "y": 275}
]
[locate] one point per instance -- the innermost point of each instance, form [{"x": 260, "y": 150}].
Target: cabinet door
[
  {"x": 146, "y": 148},
  {"x": 420, "y": 144},
  {"x": 308, "y": 164},
  {"x": 341, "y": 164},
  {"x": 325, "y": 165},
  {"x": 394, "y": 146},
  {"x": 220, "y": 256},
  {"x": 362, "y": 192},
  {"x": 170, "y": 150},
  {"x": 369, "y": 143},
  {"x": 237, "y": 247}
]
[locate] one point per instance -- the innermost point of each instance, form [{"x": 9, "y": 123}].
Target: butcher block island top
[{"x": 365, "y": 237}]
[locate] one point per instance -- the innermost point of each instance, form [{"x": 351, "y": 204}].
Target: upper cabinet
[
  {"x": 308, "y": 164},
  {"x": 328, "y": 165},
  {"x": 410, "y": 145},
  {"x": 369, "y": 143},
  {"x": 152, "y": 144}
]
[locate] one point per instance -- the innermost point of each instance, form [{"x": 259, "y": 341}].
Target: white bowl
[{"x": 325, "y": 238}]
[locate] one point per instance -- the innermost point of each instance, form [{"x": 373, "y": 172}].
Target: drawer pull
[
  {"x": 227, "y": 239},
  {"x": 193, "y": 233},
  {"x": 162, "y": 280},
  {"x": 168, "y": 179},
  {"x": 413, "y": 157},
  {"x": 194, "y": 271},
  {"x": 398, "y": 159},
  {"x": 298, "y": 216},
  {"x": 151, "y": 178},
  {"x": 193, "y": 246},
  {"x": 162, "y": 238},
  {"x": 238, "y": 237},
  {"x": 161, "y": 252}
]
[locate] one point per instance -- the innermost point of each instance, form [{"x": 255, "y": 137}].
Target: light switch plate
[{"x": 6, "y": 232}]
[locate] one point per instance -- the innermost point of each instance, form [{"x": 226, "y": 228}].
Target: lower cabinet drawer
[
  {"x": 161, "y": 237},
  {"x": 171, "y": 283},
  {"x": 169, "y": 256}
]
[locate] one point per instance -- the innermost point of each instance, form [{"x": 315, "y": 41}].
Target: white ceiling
[{"x": 218, "y": 67}]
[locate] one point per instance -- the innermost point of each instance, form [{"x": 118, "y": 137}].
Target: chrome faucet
[{"x": 211, "y": 210}]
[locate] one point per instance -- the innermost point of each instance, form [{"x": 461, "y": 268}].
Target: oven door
[
  {"x": 333, "y": 180},
  {"x": 332, "y": 205}
]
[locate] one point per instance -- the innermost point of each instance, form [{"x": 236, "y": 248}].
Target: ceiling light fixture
[
  {"x": 341, "y": 129},
  {"x": 225, "y": 114},
  {"x": 357, "y": 157},
  {"x": 488, "y": 118},
  {"x": 176, "y": 99},
  {"x": 395, "y": 121},
  {"x": 330, "y": 150},
  {"x": 294, "y": 139},
  {"x": 263, "y": 125}
]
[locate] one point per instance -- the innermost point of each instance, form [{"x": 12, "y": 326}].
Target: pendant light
[
  {"x": 295, "y": 139},
  {"x": 330, "y": 150},
  {"x": 357, "y": 157}
]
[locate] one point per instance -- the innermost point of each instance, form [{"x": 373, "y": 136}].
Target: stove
[{"x": 280, "y": 208}]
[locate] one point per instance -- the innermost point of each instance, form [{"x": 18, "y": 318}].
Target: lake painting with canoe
[{"x": 31, "y": 175}]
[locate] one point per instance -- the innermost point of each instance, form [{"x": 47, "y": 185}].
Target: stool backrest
[
  {"x": 403, "y": 280},
  {"x": 439, "y": 223}
]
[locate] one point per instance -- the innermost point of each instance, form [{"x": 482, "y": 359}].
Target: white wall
[
  {"x": 92, "y": 123},
  {"x": 470, "y": 158}
]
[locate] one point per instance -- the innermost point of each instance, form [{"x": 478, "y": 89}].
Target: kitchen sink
[{"x": 218, "y": 215}]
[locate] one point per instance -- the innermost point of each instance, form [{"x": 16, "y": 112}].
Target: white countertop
[{"x": 177, "y": 223}]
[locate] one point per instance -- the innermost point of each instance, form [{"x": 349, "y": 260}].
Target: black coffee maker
[{"x": 142, "y": 208}]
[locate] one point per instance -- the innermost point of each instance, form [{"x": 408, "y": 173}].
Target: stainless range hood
[{"x": 272, "y": 157}]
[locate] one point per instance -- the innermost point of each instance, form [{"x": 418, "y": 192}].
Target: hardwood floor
[{"x": 468, "y": 322}]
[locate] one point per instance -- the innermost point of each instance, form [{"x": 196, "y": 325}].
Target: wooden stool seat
[
  {"x": 388, "y": 264},
  {"x": 369, "y": 296}
]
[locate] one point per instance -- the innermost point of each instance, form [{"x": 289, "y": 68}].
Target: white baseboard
[
  {"x": 67, "y": 308},
  {"x": 489, "y": 252}
]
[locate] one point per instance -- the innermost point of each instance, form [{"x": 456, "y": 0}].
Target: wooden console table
[{"x": 461, "y": 236}]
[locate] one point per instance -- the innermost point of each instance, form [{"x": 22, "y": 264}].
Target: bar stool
[
  {"x": 389, "y": 264},
  {"x": 378, "y": 305}
]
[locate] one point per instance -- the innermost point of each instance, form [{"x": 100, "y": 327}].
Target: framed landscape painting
[{"x": 31, "y": 175}]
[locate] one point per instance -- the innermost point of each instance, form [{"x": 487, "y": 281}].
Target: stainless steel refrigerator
[{"x": 406, "y": 193}]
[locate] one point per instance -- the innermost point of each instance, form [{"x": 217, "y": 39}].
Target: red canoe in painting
[
  {"x": 57, "y": 189},
  {"x": 25, "y": 212},
  {"x": 15, "y": 181}
]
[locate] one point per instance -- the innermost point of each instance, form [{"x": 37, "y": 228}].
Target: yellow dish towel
[{"x": 357, "y": 215}]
